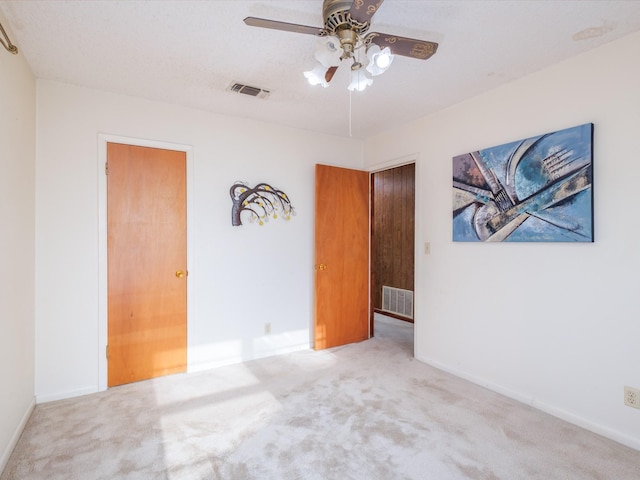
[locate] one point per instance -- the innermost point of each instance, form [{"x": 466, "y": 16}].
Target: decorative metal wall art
[
  {"x": 260, "y": 203},
  {"x": 533, "y": 190}
]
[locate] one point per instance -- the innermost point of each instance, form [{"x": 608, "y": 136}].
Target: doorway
[
  {"x": 146, "y": 262},
  {"x": 351, "y": 267},
  {"x": 393, "y": 243}
]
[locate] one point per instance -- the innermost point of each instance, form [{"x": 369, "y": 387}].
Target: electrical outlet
[
  {"x": 267, "y": 328},
  {"x": 632, "y": 397}
]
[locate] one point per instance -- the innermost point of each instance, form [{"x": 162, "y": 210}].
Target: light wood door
[
  {"x": 342, "y": 257},
  {"x": 146, "y": 262}
]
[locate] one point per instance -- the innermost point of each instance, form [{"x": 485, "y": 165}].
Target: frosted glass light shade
[
  {"x": 359, "y": 80},
  {"x": 379, "y": 60},
  {"x": 329, "y": 51},
  {"x": 316, "y": 76}
]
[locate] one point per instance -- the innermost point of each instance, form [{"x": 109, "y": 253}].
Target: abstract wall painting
[{"x": 534, "y": 190}]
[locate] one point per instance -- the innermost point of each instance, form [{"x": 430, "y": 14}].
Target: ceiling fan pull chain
[{"x": 350, "y": 92}]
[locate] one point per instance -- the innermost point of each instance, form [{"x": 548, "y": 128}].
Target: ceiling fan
[{"x": 345, "y": 36}]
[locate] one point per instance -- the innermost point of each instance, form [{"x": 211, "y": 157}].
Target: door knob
[
  {"x": 322, "y": 266},
  {"x": 179, "y": 274}
]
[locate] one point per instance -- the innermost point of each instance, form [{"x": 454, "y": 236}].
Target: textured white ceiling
[{"x": 188, "y": 52}]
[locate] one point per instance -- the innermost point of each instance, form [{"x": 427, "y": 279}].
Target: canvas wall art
[{"x": 534, "y": 190}]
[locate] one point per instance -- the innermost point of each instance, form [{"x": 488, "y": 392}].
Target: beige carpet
[{"x": 363, "y": 411}]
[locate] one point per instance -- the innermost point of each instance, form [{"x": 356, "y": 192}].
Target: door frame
[
  {"x": 381, "y": 167},
  {"x": 103, "y": 139}
]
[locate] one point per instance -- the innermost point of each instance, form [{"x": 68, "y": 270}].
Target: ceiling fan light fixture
[
  {"x": 329, "y": 51},
  {"x": 379, "y": 59},
  {"x": 344, "y": 37},
  {"x": 317, "y": 76}
]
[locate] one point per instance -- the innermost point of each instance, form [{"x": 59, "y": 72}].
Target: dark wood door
[
  {"x": 341, "y": 256},
  {"x": 146, "y": 262}
]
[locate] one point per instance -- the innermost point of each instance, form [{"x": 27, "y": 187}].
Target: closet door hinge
[
  {"x": 107, "y": 351},
  {"x": 106, "y": 168}
]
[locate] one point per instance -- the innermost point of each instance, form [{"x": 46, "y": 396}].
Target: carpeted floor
[{"x": 363, "y": 411}]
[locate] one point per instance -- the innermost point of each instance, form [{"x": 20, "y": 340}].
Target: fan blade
[
  {"x": 330, "y": 73},
  {"x": 363, "y": 10},
  {"x": 287, "y": 27},
  {"x": 407, "y": 47}
]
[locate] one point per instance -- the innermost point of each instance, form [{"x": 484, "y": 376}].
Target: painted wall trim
[
  {"x": 103, "y": 139},
  {"x": 397, "y": 162},
  {"x": 542, "y": 406},
  {"x": 205, "y": 366},
  {"x": 54, "y": 397},
  {"x": 16, "y": 435}
]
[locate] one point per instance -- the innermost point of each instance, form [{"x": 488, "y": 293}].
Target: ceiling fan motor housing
[{"x": 336, "y": 17}]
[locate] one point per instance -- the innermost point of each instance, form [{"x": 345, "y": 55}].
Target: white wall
[
  {"x": 17, "y": 236},
  {"x": 553, "y": 325},
  {"x": 239, "y": 277}
]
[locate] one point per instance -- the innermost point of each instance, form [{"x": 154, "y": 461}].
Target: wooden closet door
[{"x": 147, "y": 260}]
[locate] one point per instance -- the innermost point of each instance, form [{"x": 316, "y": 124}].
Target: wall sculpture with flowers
[{"x": 258, "y": 204}]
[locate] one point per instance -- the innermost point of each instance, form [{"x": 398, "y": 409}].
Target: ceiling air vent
[{"x": 248, "y": 90}]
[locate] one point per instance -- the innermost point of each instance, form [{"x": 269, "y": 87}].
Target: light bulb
[
  {"x": 379, "y": 60},
  {"x": 383, "y": 60},
  {"x": 316, "y": 76}
]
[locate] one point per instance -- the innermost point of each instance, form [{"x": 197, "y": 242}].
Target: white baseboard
[
  {"x": 16, "y": 435},
  {"x": 191, "y": 368},
  {"x": 194, "y": 367},
  {"x": 52, "y": 397},
  {"x": 567, "y": 416}
]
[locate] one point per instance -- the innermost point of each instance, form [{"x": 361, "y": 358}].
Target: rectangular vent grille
[
  {"x": 398, "y": 301},
  {"x": 248, "y": 90}
]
